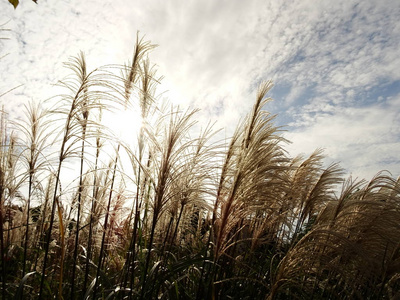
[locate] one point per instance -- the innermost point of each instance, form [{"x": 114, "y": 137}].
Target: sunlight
[{"x": 125, "y": 124}]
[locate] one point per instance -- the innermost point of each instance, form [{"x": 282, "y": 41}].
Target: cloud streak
[{"x": 335, "y": 64}]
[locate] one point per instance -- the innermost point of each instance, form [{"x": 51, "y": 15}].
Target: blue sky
[{"x": 335, "y": 64}]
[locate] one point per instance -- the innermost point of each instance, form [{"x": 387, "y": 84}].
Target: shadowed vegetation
[{"x": 179, "y": 214}]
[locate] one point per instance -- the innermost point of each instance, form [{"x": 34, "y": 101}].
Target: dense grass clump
[{"x": 177, "y": 214}]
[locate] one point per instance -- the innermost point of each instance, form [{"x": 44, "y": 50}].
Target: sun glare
[{"x": 125, "y": 124}]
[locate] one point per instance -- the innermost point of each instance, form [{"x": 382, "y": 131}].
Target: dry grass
[{"x": 178, "y": 215}]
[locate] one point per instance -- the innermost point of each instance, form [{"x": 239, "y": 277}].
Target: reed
[{"x": 179, "y": 213}]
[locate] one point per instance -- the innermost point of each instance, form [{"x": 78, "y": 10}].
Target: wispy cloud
[
  {"x": 364, "y": 139},
  {"x": 335, "y": 64}
]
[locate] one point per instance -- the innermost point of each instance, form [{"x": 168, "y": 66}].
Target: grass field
[{"x": 179, "y": 214}]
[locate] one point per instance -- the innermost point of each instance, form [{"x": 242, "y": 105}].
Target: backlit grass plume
[{"x": 176, "y": 212}]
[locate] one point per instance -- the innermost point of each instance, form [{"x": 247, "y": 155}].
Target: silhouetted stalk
[
  {"x": 3, "y": 265},
  {"x": 69, "y": 131},
  {"x": 48, "y": 234},
  {"x": 167, "y": 235},
  {"x": 3, "y": 163},
  {"x": 177, "y": 223},
  {"x": 42, "y": 218},
  {"x": 140, "y": 50},
  {"x": 201, "y": 283},
  {"x": 80, "y": 189},
  {"x": 148, "y": 256},
  {"x": 62, "y": 246},
  {"x": 92, "y": 211},
  {"x": 166, "y": 243},
  {"x": 27, "y": 220},
  {"x": 171, "y": 140},
  {"x": 131, "y": 256},
  {"x": 85, "y": 115},
  {"x": 384, "y": 268},
  {"x": 33, "y": 131},
  {"x": 144, "y": 195},
  {"x": 101, "y": 254},
  {"x": 212, "y": 236}
]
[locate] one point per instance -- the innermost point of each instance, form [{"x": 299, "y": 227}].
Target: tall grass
[{"x": 179, "y": 214}]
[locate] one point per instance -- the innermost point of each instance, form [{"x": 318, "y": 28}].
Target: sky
[{"x": 335, "y": 64}]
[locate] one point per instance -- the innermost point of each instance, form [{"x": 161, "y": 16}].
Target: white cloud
[
  {"x": 363, "y": 139},
  {"x": 213, "y": 54}
]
